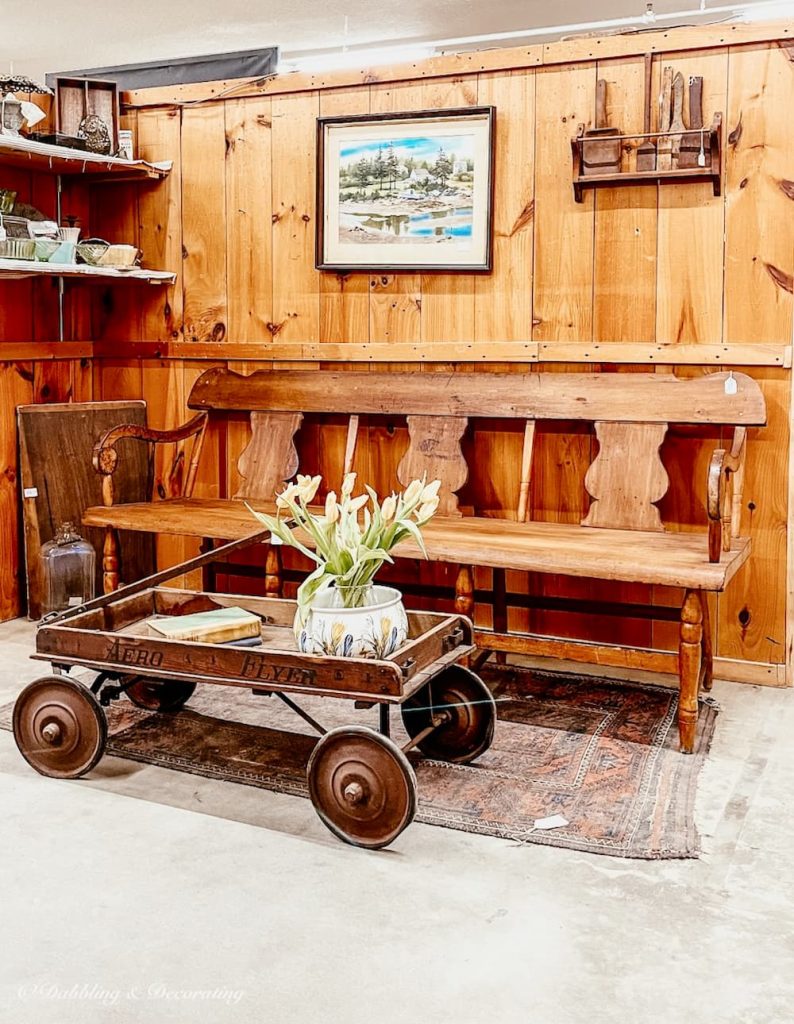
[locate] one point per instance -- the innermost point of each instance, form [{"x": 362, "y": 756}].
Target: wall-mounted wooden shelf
[
  {"x": 28, "y": 155},
  {"x": 711, "y": 171},
  {"x": 10, "y": 269}
]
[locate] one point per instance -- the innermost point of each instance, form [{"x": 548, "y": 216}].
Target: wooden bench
[{"x": 621, "y": 538}]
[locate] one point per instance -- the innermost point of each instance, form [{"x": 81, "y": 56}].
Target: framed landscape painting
[{"x": 408, "y": 191}]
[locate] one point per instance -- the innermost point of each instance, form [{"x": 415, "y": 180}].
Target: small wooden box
[{"x": 75, "y": 98}]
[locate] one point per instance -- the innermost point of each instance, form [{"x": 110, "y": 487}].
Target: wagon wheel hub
[
  {"x": 354, "y": 792},
  {"x": 51, "y": 732}
]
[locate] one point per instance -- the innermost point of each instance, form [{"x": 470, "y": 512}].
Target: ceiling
[{"x": 55, "y": 35}]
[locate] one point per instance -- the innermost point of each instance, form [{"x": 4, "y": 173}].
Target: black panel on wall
[{"x": 212, "y": 67}]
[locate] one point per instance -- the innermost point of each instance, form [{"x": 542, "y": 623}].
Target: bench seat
[{"x": 632, "y": 556}]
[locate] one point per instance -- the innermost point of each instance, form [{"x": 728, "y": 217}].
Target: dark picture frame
[{"x": 434, "y": 213}]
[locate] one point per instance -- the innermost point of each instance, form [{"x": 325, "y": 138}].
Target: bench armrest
[
  {"x": 726, "y": 476},
  {"x": 105, "y": 457}
]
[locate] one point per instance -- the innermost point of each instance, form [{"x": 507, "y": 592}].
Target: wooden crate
[{"x": 77, "y": 97}]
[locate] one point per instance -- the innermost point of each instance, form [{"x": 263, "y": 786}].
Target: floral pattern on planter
[{"x": 373, "y": 631}]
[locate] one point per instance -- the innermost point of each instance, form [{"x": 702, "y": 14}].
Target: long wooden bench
[{"x": 621, "y": 538}]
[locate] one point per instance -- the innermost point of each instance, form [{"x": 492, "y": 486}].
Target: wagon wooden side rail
[{"x": 622, "y": 536}]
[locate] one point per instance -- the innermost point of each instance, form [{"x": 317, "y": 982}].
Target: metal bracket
[
  {"x": 408, "y": 668},
  {"x": 453, "y": 639}
]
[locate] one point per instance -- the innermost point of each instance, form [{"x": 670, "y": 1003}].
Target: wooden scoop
[
  {"x": 601, "y": 156},
  {"x": 677, "y": 123},
  {"x": 664, "y": 160},
  {"x": 692, "y": 143},
  {"x": 646, "y": 151}
]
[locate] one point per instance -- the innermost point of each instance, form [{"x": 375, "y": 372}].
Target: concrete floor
[{"x": 141, "y": 894}]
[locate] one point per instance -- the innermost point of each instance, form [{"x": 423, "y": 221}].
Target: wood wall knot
[
  {"x": 786, "y": 187},
  {"x": 736, "y": 134},
  {"x": 781, "y": 278},
  {"x": 524, "y": 219}
]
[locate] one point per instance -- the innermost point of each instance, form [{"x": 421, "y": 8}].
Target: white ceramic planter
[{"x": 374, "y": 630}]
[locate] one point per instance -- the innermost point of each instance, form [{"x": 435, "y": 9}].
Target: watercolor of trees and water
[{"x": 406, "y": 190}]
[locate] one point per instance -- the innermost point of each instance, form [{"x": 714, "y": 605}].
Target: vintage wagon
[{"x": 360, "y": 781}]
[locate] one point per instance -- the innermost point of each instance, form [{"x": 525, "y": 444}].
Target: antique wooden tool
[
  {"x": 601, "y": 148},
  {"x": 646, "y": 151},
  {"x": 692, "y": 152},
  {"x": 664, "y": 160},
  {"x": 677, "y": 122}
]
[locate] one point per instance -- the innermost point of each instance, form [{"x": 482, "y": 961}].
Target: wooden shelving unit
[
  {"x": 10, "y": 269},
  {"x": 711, "y": 171},
  {"x": 60, "y": 162},
  {"x": 26, "y": 154}
]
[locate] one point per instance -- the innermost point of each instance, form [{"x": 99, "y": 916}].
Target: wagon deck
[{"x": 115, "y": 638}]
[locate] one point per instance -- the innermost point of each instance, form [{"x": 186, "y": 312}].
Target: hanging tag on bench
[{"x": 731, "y": 387}]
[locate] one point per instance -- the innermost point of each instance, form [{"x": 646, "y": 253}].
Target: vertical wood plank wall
[{"x": 670, "y": 265}]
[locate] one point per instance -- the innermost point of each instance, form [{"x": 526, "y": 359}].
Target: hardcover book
[{"x": 213, "y": 627}]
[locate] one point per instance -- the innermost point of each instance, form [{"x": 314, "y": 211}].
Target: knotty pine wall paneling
[{"x": 598, "y": 284}]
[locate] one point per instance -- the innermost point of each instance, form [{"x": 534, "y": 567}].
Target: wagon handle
[{"x": 158, "y": 577}]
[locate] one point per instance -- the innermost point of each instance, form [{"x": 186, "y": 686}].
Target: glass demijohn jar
[{"x": 67, "y": 563}]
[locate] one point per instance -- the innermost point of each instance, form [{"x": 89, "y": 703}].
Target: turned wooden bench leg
[
  {"x": 690, "y": 654},
  {"x": 273, "y": 571},
  {"x": 464, "y": 591},
  {"x": 111, "y": 560},
  {"x": 708, "y": 653}
]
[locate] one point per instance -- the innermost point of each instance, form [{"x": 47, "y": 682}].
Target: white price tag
[
  {"x": 555, "y": 821},
  {"x": 731, "y": 387},
  {"x": 31, "y": 492}
]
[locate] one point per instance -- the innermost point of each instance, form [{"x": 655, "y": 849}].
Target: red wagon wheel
[
  {"x": 362, "y": 786},
  {"x": 59, "y": 727},
  {"x": 160, "y": 694},
  {"x": 464, "y": 708}
]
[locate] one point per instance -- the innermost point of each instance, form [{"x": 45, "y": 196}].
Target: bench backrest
[{"x": 630, "y": 412}]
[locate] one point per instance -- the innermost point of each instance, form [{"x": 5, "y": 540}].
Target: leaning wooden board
[{"x": 58, "y": 482}]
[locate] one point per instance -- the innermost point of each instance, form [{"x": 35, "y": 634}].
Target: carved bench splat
[
  {"x": 270, "y": 458},
  {"x": 627, "y": 477},
  {"x": 435, "y": 450}
]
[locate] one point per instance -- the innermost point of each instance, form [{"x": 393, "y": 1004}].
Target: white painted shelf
[
  {"x": 27, "y": 154},
  {"x": 35, "y": 268}
]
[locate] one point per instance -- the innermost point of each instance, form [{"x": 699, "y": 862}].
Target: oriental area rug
[{"x": 601, "y": 753}]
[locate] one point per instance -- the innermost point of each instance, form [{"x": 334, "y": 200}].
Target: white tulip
[
  {"x": 348, "y": 484},
  {"x": 331, "y": 507},
  {"x": 358, "y": 503},
  {"x": 308, "y": 487},
  {"x": 388, "y": 508},
  {"x": 427, "y": 510},
  {"x": 288, "y": 494},
  {"x": 431, "y": 491},
  {"x": 413, "y": 491}
]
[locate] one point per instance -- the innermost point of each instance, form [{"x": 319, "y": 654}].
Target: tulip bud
[
  {"x": 388, "y": 508},
  {"x": 358, "y": 503},
  {"x": 431, "y": 491},
  {"x": 287, "y": 495},
  {"x": 412, "y": 492},
  {"x": 331, "y": 507},
  {"x": 348, "y": 484},
  {"x": 427, "y": 510}
]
